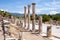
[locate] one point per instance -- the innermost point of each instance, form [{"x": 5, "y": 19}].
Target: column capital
[
  {"x": 33, "y": 3},
  {"x": 28, "y": 5},
  {"x": 24, "y": 6}
]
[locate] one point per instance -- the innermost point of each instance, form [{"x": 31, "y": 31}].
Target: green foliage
[
  {"x": 36, "y": 17},
  {"x": 45, "y": 18},
  {"x": 56, "y": 17},
  {"x": 4, "y": 14}
]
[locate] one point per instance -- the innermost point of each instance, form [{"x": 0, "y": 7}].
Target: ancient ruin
[
  {"x": 33, "y": 16},
  {"x": 28, "y": 16}
]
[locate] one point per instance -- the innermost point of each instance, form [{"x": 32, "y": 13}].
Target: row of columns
[
  {"x": 33, "y": 14},
  {"x": 33, "y": 20}
]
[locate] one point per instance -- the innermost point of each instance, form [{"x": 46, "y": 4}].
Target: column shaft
[
  {"x": 33, "y": 16},
  {"x": 28, "y": 16},
  {"x": 24, "y": 16},
  {"x": 40, "y": 23}
]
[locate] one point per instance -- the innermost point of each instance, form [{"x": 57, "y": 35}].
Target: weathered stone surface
[
  {"x": 48, "y": 31},
  {"x": 31, "y": 36},
  {"x": 28, "y": 16},
  {"x": 33, "y": 16},
  {"x": 40, "y": 24},
  {"x": 24, "y": 16}
]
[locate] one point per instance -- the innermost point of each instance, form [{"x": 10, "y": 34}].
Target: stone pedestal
[
  {"x": 21, "y": 24},
  {"x": 12, "y": 20},
  {"x": 40, "y": 24},
  {"x": 48, "y": 31}
]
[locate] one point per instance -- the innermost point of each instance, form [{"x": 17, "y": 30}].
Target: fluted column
[
  {"x": 24, "y": 16},
  {"x": 40, "y": 24},
  {"x": 33, "y": 16},
  {"x": 28, "y": 16}
]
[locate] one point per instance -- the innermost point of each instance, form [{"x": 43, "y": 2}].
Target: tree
[
  {"x": 4, "y": 13},
  {"x": 36, "y": 17},
  {"x": 45, "y": 18},
  {"x": 56, "y": 17}
]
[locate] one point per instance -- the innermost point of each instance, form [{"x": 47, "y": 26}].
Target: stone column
[
  {"x": 33, "y": 16},
  {"x": 20, "y": 35},
  {"x": 12, "y": 19},
  {"x": 40, "y": 23},
  {"x": 24, "y": 16},
  {"x": 21, "y": 24},
  {"x": 48, "y": 31},
  {"x": 28, "y": 16}
]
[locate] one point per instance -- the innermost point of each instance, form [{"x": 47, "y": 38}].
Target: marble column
[
  {"x": 33, "y": 16},
  {"x": 24, "y": 16},
  {"x": 48, "y": 31},
  {"x": 11, "y": 18},
  {"x": 40, "y": 24},
  {"x": 28, "y": 16},
  {"x": 21, "y": 24}
]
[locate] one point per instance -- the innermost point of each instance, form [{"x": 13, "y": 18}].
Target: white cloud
[
  {"x": 38, "y": 10},
  {"x": 52, "y": 4},
  {"x": 55, "y": 3},
  {"x": 1, "y": 9},
  {"x": 4, "y": 9},
  {"x": 48, "y": 6},
  {"x": 21, "y": 12},
  {"x": 53, "y": 12},
  {"x": 37, "y": 1}
]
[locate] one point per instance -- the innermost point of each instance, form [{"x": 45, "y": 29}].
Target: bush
[{"x": 45, "y": 18}]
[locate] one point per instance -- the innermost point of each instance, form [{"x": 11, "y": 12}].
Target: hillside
[
  {"x": 17, "y": 14},
  {"x": 45, "y": 17}
]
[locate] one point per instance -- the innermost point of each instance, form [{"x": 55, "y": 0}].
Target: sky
[{"x": 41, "y": 7}]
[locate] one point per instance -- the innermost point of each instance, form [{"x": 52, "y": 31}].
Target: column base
[{"x": 34, "y": 32}]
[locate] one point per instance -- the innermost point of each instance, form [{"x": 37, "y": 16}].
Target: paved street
[
  {"x": 29, "y": 36},
  {"x": 14, "y": 30}
]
